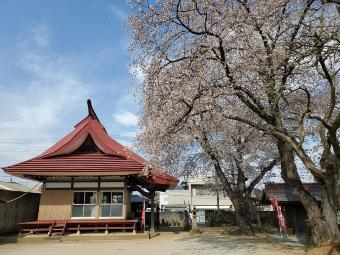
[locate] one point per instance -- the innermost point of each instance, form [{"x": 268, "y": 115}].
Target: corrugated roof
[
  {"x": 13, "y": 186},
  {"x": 282, "y": 192}
]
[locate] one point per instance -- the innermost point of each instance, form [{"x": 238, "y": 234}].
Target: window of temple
[
  {"x": 111, "y": 204},
  {"x": 84, "y": 204}
]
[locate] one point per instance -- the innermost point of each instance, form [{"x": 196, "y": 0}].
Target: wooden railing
[{"x": 53, "y": 227}]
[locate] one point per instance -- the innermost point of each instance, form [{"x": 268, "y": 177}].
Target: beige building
[{"x": 194, "y": 194}]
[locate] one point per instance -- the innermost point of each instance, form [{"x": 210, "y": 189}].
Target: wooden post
[
  {"x": 295, "y": 222},
  {"x": 152, "y": 213}
]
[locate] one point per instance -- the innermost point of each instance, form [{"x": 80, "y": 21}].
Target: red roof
[
  {"x": 75, "y": 164},
  {"x": 89, "y": 150},
  {"x": 163, "y": 178}
]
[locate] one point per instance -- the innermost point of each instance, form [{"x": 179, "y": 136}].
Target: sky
[{"x": 54, "y": 56}]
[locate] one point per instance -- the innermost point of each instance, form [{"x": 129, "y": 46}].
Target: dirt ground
[{"x": 165, "y": 244}]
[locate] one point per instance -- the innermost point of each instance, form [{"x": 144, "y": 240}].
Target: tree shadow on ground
[{"x": 234, "y": 244}]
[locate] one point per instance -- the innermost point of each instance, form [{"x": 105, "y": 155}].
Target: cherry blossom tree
[
  {"x": 197, "y": 144},
  {"x": 270, "y": 65}
]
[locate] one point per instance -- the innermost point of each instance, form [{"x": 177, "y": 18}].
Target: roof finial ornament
[{"x": 90, "y": 109}]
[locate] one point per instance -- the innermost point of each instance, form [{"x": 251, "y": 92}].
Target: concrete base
[{"x": 152, "y": 233}]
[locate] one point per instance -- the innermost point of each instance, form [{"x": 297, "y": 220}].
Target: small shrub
[{"x": 264, "y": 228}]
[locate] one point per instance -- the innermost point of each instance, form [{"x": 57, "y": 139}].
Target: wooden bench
[{"x": 62, "y": 226}]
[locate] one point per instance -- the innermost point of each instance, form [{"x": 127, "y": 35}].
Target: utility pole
[
  {"x": 218, "y": 200},
  {"x": 191, "y": 205},
  {"x": 217, "y": 194}
]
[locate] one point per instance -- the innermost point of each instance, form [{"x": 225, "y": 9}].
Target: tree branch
[{"x": 259, "y": 177}]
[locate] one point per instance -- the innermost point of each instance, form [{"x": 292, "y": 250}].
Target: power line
[{"x": 14, "y": 199}]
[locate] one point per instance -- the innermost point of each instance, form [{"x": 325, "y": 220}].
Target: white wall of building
[{"x": 197, "y": 196}]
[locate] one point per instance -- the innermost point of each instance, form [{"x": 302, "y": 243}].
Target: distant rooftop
[
  {"x": 13, "y": 186},
  {"x": 282, "y": 192}
]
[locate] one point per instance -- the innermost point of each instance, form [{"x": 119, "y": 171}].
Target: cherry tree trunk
[
  {"x": 244, "y": 213},
  {"x": 329, "y": 213},
  {"x": 320, "y": 229},
  {"x": 330, "y": 193}
]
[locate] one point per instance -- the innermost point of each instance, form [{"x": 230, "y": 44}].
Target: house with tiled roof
[{"x": 295, "y": 215}]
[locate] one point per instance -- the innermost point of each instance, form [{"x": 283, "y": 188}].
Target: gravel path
[{"x": 165, "y": 244}]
